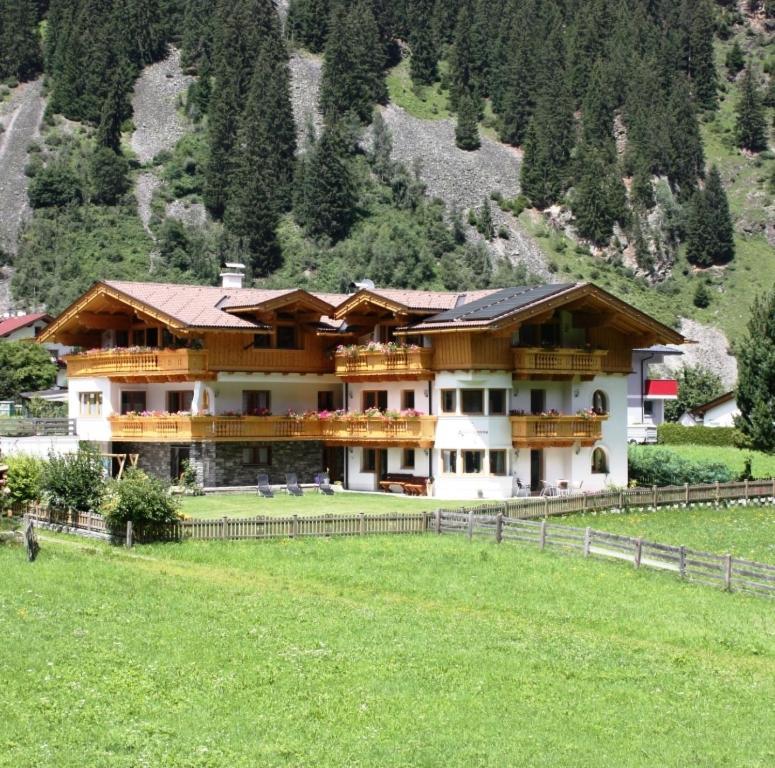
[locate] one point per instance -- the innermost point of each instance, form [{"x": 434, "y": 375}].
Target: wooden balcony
[
  {"x": 130, "y": 366},
  {"x": 390, "y": 365},
  {"x": 376, "y": 432},
  {"x": 555, "y": 431},
  {"x": 557, "y": 364}
]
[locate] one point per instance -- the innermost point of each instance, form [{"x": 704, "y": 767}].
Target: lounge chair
[
  {"x": 324, "y": 484},
  {"x": 292, "y": 484},
  {"x": 263, "y": 488}
]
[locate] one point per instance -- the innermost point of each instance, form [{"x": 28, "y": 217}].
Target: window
[
  {"x": 152, "y": 337},
  {"x": 167, "y": 339},
  {"x": 472, "y": 401},
  {"x": 449, "y": 462},
  {"x": 286, "y": 337},
  {"x": 648, "y": 408},
  {"x": 180, "y": 400},
  {"x": 449, "y": 400},
  {"x": 122, "y": 338},
  {"x": 497, "y": 402},
  {"x": 600, "y": 402},
  {"x": 90, "y": 403},
  {"x": 369, "y": 460},
  {"x": 537, "y": 401},
  {"x": 258, "y": 456},
  {"x": 376, "y": 398},
  {"x": 256, "y": 402},
  {"x": 262, "y": 341},
  {"x": 473, "y": 462},
  {"x": 407, "y": 458},
  {"x": 326, "y": 400},
  {"x": 599, "y": 462},
  {"x": 498, "y": 463},
  {"x": 145, "y": 337},
  {"x": 407, "y": 399},
  {"x": 133, "y": 402}
]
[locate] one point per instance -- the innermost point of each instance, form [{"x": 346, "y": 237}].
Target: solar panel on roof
[{"x": 498, "y": 304}]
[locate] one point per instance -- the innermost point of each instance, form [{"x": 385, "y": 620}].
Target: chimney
[{"x": 233, "y": 275}]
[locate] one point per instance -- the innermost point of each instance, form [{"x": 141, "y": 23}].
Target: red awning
[{"x": 662, "y": 389}]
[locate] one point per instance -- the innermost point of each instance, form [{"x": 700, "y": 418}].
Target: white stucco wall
[
  {"x": 722, "y": 415},
  {"x": 38, "y": 446},
  {"x": 296, "y": 393}
]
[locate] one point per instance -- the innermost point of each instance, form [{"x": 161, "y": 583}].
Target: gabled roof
[
  {"x": 701, "y": 410},
  {"x": 407, "y": 301},
  {"x": 8, "y": 326}
]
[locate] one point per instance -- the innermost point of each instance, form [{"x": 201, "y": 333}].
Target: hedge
[
  {"x": 649, "y": 466},
  {"x": 678, "y": 434}
]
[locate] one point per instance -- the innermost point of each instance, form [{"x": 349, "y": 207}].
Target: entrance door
[
  {"x": 178, "y": 455},
  {"x": 333, "y": 463},
  {"x": 537, "y": 401},
  {"x": 536, "y": 469}
]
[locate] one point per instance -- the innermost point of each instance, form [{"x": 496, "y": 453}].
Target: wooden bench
[{"x": 410, "y": 484}]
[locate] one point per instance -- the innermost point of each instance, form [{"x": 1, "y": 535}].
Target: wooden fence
[{"x": 724, "y": 571}]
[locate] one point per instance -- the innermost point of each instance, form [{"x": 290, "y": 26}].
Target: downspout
[{"x": 430, "y": 413}]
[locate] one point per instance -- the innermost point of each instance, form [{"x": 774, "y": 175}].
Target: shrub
[
  {"x": 140, "y": 498},
  {"x": 660, "y": 467},
  {"x": 24, "y": 478},
  {"x": 74, "y": 481},
  {"x": 109, "y": 176},
  {"x": 54, "y": 186},
  {"x": 678, "y": 434}
]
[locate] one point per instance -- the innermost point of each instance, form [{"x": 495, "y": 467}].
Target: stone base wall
[{"x": 223, "y": 464}]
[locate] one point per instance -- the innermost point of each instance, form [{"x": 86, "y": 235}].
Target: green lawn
[
  {"x": 762, "y": 464},
  {"x": 386, "y": 651},
  {"x": 748, "y": 532},
  {"x": 312, "y": 503},
  {"x": 426, "y": 102}
]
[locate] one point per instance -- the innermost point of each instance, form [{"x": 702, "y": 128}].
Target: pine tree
[
  {"x": 115, "y": 107},
  {"x": 307, "y": 23},
  {"x": 353, "y": 78},
  {"x": 425, "y": 54},
  {"x": 380, "y": 154},
  {"x": 710, "y": 235},
  {"x": 756, "y": 375},
  {"x": 735, "y": 61},
  {"x": 700, "y": 58},
  {"x": 109, "y": 176},
  {"x": 328, "y": 197},
  {"x": 642, "y": 189},
  {"x": 701, "y": 297},
  {"x": 461, "y": 64},
  {"x": 599, "y": 197},
  {"x": 685, "y": 159},
  {"x": 19, "y": 45},
  {"x": 467, "y": 128},
  {"x": 598, "y": 110},
  {"x": 197, "y": 42},
  {"x": 485, "y": 224},
  {"x": 515, "y": 86},
  {"x": 750, "y": 125}
]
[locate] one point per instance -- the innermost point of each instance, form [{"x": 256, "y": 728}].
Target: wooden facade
[{"x": 555, "y": 431}]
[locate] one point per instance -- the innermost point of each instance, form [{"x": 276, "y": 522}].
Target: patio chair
[
  {"x": 549, "y": 489},
  {"x": 292, "y": 484},
  {"x": 324, "y": 484},
  {"x": 263, "y": 488},
  {"x": 518, "y": 488}
]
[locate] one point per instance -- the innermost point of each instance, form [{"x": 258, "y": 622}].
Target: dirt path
[{"x": 21, "y": 117}]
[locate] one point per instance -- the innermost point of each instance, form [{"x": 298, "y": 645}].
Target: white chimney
[{"x": 233, "y": 275}]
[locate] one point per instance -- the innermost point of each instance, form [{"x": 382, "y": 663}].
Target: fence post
[
  {"x": 746, "y": 490},
  {"x": 584, "y": 503},
  {"x": 470, "y": 525},
  {"x": 362, "y": 524},
  {"x": 69, "y": 517},
  {"x": 621, "y": 499},
  {"x": 728, "y": 572},
  {"x": 542, "y": 539},
  {"x": 224, "y": 524},
  {"x": 654, "y": 503},
  {"x": 546, "y": 506},
  {"x": 499, "y": 528},
  {"x": 718, "y": 494},
  {"x": 638, "y": 552},
  {"x": 587, "y": 541},
  {"x": 438, "y": 521},
  {"x": 682, "y": 561},
  {"x": 773, "y": 488},
  {"x": 295, "y": 527},
  {"x": 129, "y": 536},
  {"x": 686, "y": 494}
]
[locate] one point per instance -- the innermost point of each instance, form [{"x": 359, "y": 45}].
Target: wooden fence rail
[{"x": 723, "y": 571}]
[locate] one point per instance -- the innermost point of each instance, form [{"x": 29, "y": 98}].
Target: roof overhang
[
  {"x": 297, "y": 298},
  {"x": 365, "y": 297}
]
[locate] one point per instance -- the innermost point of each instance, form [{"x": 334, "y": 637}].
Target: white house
[
  {"x": 719, "y": 412},
  {"x": 646, "y": 395}
]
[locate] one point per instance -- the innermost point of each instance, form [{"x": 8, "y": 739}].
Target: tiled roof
[
  {"x": 429, "y": 300},
  {"x": 15, "y": 323}
]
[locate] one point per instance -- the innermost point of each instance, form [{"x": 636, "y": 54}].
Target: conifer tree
[
  {"x": 700, "y": 58},
  {"x": 599, "y": 197},
  {"x": 425, "y": 54},
  {"x": 461, "y": 64},
  {"x": 467, "y": 128},
  {"x": 197, "y": 36},
  {"x": 598, "y": 110},
  {"x": 701, "y": 298},
  {"x": 115, "y": 107},
  {"x": 380, "y": 154},
  {"x": 750, "y": 125},
  {"x": 756, "y": 375},
  {"x": 19, "y": 45},
  {"x": 515, "y": 86},
  {"x": 735, "y": 61},
  {"x": 642, "y": 189},
  {"x": 307, "y": 23},
  {"x": 485, "y": 223},
  {"x": 685, "y": 159},
  {"x": 710, "y": 236}
]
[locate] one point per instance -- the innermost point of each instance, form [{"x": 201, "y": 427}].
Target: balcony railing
[
  {"x": 344, "y": 430},
  {"x": 358, "y": 365},
  {"x": 555, "y": 431},
  {"x": 535, "y": 362},
  {"x": 147, "y": 365}
]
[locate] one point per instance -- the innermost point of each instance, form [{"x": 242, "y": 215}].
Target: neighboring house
[
  {"x": 29, "y": 327},
  {"x": 457, "y": 392},
  {"x": 719, "y": 412},
  {"x": 646, "y": 396}
]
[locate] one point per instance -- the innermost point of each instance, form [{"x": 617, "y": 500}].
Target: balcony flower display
[
  {"x": 259, "y": 412},
  {"x": 353, "y": 350},
  {"x": 154, "y": 414},
  {"x": 552, "y": 413}
]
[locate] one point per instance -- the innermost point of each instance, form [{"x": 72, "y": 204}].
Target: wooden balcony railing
[
  {"x": 153, "y": 365},
  {"x": 377, "y": 431},
  {"x": 555, "y": 431},
  {"x": 538, "y": 363},
  {"x": 386, "y": 365}
]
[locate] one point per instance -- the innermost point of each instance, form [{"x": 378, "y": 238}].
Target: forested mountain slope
[{"x": 441, "y": 143}]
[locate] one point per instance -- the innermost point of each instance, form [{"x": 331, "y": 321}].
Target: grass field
[
  {"x": 748, "y": 532},
  {"x": 762, "y": 464},
  {"x": 390, "y": 651},
  {"x": 312, "y": 503}
]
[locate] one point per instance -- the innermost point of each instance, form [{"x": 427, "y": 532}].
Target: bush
[
  {"x": 140, "y": 498},
  {"x": 54, "y": 186},
  {"x": 109, "y": 176},
  {"x": 74, "y": 481},
  {"x": 649, "y": 466},
  {"x": 678, "y": 434},
  {"x": 24, "y": 479}
]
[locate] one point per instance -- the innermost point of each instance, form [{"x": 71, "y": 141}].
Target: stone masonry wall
[{"x": 154, "y": 457}]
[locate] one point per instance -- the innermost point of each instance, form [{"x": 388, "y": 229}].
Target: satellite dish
[{"x": 365, "y": 284}]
